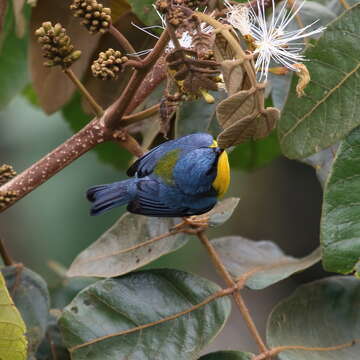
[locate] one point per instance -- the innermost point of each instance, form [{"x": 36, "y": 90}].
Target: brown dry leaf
[
  {"x": 233, "y": 74},
  {"x": 3, "y": 8},
  {"x": 236, "y": 107},
  {"x": 304, "y": 79},
  {"x": 106, "y": 91},
  {"x": 118, "y": 9},
  {"x": 266, "y": 122},
  {"x": 239, "y": 132},
  {"x": 19, "y": 17},
  {"x": 222, "y": 49}
]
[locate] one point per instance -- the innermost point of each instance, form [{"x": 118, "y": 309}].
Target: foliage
[
  {"x": 316, "y": 121},
  {"x": 316, "y": 306},
  {"x": 12, "y": 327},
  {"x": 129, "y": 303},
  {"x": 185, "y": 72}
]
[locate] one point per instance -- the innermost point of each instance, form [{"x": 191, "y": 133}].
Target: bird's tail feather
[{"x": 108, "y": 196}]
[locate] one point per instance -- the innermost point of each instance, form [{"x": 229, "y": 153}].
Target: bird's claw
[{"x": 196, "y": 224}]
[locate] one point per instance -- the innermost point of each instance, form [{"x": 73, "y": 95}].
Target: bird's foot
[{"x": 196, "y": 224}]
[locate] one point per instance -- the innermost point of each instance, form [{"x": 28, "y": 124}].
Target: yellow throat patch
[{"x": 222, "y": 180}]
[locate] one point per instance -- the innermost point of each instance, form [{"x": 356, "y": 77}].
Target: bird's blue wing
[
  {"x": 146, "y": 164},
  {"x": 148, "y": 201}
]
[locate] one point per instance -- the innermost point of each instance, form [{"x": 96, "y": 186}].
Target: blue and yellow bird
[{"x": 180, "y": 177}]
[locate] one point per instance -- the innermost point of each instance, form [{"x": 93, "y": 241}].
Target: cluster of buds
[
  {"x": 108, "y": 64},
  {"x": 96, "y": 17},
  {"x": 7, "y": 172},
  {"x": 6, "y": 198},
  {"x": 56, "y": 45},
  {"x": 163, "y": 5}
]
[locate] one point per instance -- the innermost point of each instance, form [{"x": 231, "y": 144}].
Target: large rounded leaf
[
  {"x": 324, "y": 313},
  {"x": 330, "y": 108},
  {"x": 106, "y": 320},
  {"x": 340, "y": 228},
  {"x": 127, "y": 246},
  {"x": 259, "y": 264}
]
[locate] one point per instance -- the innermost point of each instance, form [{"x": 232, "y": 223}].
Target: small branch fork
[{"x": 106, "y": 126}]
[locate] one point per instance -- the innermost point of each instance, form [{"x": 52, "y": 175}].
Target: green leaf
[
  {"x": 30, "y": 294},
  {"x": 65, "y": 292},
  {"x": 13, "y": 61},
  {"x": 145, "y": 12},
  {"x": 228, "y": 355},
  {"x": 196, "y": 116},
  {"x": 340, "y": 228},
  {"x": 254, "y": 154},
  {"x": 323, "y": 313},
  {"x": 13, "y": 343},
  {"x": 30, "y": 95},
  {"x": 99, "y": 318},
  {"x": 259, "y": 263},
  {"x": 126, "y": 247},
  {"x": 53, "y": 342},
  {"x": 109, "y": 153},
  {"x": 330, "y": 108}
]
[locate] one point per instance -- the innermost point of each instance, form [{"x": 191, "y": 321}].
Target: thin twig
[
  {"x": 226, "y": 32},
  {"x": 123, "y": 41},
  {"x": 98, "y": 110},
  {"x": 141, "y": 115},
  {"x": 81, "y": 142},
  {"x": 276, "y": 350},
  {"x": 8, "y": 261},
  {"x": 237, "y": 297},
  {"x": 345, "y": 4},
  {"x": 118, "y": 109},
  {"x": 94, "y": 133},
  {"x": 52, "y": 347},
  {"x": 216, "y": 295}
]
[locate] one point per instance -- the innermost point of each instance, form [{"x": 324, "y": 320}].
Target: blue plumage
[{"x": 173, "y": 179}]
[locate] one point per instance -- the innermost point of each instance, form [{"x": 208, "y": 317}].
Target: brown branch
[
  {"x": 226, "y": 32},
  {"x": 98, "y": 110},
  {"x": 123, "y": 41},
  {"x": 8, "y": 261},
  {"x": 279, "y": 349},
  {"x": 119, "y": 107},
  {"x": 87, "y": 138},
  {"x": 152, "y": 80},
  {"x": 128, "y": 142},
  {"x": 236, "y": 295},
  {"x": 216, "y": 295},
  {"x": 97, "y": 131},
  {"x": 141, "y": 115}
]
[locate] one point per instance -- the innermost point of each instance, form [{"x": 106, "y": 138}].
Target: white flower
[
  {"x": 271, "y": 39},
  {"x": 185, "y": 40},
  {"x": 238, "y": 17}
]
